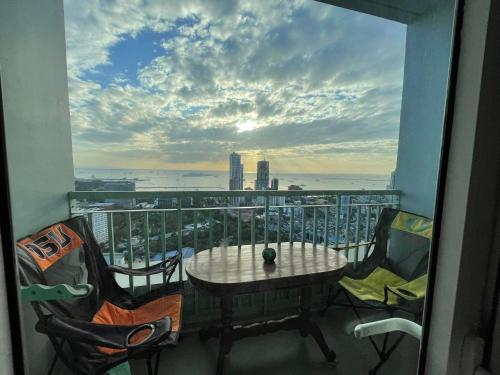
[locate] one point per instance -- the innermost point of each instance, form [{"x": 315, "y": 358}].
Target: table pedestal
[{"x": 227, "y": 332}]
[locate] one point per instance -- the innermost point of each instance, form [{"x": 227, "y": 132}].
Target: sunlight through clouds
[{"x": 181, "y": 84}]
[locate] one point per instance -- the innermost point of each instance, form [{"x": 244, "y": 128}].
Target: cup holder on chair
[
  {"x": 140, "y": 335},
  {"x": 407, "y": 293}
]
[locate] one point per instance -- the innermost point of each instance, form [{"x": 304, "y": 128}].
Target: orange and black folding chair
[{"x": 107, "y": 326}]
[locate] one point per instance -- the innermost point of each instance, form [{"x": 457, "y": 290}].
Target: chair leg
[
  {"x": 356, "y": 312},
  {"x": 382, "y": 353},
  {"x": 385, "y": 355},
  {"x": 52, "y": 365},
  {"x": 148, "y": 362},
  {"x": 157, "y": 364},
  {"x": 330, "y": 300}
]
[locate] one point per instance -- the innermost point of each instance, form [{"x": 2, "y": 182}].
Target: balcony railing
[{"x": 137, "y": 229}]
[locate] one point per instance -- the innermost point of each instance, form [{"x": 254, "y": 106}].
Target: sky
[{"x": 159, "y": 84}]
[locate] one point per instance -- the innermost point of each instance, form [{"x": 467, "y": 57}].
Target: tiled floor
[{"x": 288, "y": 353}]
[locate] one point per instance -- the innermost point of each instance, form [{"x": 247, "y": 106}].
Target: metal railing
[{"x": 136, "y": 229}]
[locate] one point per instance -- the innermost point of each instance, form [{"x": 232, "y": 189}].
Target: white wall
[
  {"x": 38, "y": 133},
  {"x": 428, "y": 47}
]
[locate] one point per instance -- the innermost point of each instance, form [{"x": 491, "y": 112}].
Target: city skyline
[
  {"x": 236, "y": 174},
  {"x": 179, "y": 85}
]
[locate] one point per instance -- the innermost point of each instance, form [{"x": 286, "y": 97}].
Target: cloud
[{"x": 311, "y": 77}]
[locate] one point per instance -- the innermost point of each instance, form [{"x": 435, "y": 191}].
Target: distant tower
[
  {"x": 274, "y": 184},
  {"x": 262, "y": 182},
  {"x": 235, "y": 172},
  {"x": 275, "y": 200}
]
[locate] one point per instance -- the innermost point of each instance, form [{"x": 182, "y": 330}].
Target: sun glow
[{"x": 246, "y": 126}]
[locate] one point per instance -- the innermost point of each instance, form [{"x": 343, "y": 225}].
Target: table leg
[
  {"x": 304, "y": 309},
  {"x": 225, "y": 340},
  {"x": 308, "y": 326}
]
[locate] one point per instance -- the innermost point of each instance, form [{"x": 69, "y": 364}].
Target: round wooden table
[{"x": 229, "y": 271}]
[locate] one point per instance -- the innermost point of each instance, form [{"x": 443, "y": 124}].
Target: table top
[{"x": 233, "y": 270}]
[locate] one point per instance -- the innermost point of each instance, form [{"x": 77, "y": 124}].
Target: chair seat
[
  {"x": 372, "y": 287},
  {"x": 169, "y": 305}
]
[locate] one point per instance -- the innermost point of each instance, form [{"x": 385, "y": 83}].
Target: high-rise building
[
  {"x": 274, "y": 184},
  {"x": 275, "y": 200},
  {"x": 235, "y": 172},
  {"x": 100, "y": 227},
  {"x": 262, "y": 181}
]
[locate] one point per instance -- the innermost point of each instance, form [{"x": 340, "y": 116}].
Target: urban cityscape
[
  {"x": 300, "y": 216},
  {"x": 211, "y": 114}
]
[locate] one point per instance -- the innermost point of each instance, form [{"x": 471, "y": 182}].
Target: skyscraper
[
  {"x": 262, "y": 182},
  {"x": 274, "y": 184},
  {"x": 235, "y": 172},
  {"x": 275, "y": 200}
]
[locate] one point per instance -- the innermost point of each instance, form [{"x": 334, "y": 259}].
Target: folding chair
[
  {"x": 106, "y": 326},
  {"x": 392, "y": 276}
]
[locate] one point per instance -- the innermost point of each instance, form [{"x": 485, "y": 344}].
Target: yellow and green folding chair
[{"x": 392, "y": 275}]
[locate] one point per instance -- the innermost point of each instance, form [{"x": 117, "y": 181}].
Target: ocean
[{"x": 168, "y": 180}]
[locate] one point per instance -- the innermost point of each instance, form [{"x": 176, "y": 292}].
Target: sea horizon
[{"x": 191, "y": 179}]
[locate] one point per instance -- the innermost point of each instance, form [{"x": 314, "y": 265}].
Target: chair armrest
[
  {"x": 167, "y": 266},
  {"x": 411, "y": 291},
  {"x": 402, "y": 293},
  {"x": 109, "y": 336},
  {"x": 388, "y": 325},
  {"x": 354, "y": 245},
  {"x": 40, "y": 292}
]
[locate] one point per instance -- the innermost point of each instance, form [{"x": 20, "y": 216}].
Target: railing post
[
  {"x": 278, "y": 230},
  {"x": 252, "y": 228},
  {"x": 367, "y": 229},
  {"x": 90, "y": 220},
  {"x": 210, "y": 229},
  {"x": 163, "y": 233},
  {"x": 327, "y": 232},
  {"x": 347, "y": 228},
  {"x": 266, "y": 221},
  {"x": 292, "y": 225},
  {"x": 239, "y": 228},
  {"x": 303, "y": 226},
  {"x": 225, "y": 228},
  {"x": 128, "y": 228},
  {"x": 356, "y": 250},
  {"x": 195, "y": 231},
  {"x": 179, "y": 237},
  {"x": 146, "y": 246},
  {"x": 337, "y": 220},
  {"x": 315, "y": 226},
  {"x": 111, "y": 238},
  {"x": 368, "y": 221}
]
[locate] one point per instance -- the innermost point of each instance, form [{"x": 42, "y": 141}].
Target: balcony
[
  {"x": 138, "y": 229},
  {"x": 35, "y": 104}
]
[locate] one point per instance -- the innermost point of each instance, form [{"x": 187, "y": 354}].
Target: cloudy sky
[{"x": 181, "y": 84}]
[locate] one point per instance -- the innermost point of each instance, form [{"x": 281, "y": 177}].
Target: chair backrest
[
  {"x": 66, "y": 253},
  {"x": 402, "y": 242}
]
